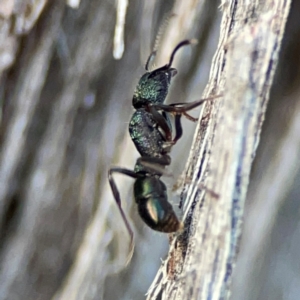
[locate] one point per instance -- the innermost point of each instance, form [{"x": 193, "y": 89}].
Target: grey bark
[{"x": 201, "y": 260}]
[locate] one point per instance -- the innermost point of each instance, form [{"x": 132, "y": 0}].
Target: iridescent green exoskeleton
[{"x": 151, "y": 131}]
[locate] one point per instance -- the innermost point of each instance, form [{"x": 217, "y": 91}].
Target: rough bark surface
[{"x": 201, "y": 260}]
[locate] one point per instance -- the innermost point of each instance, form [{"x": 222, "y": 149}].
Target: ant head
[{"x": 153, "y": 87}]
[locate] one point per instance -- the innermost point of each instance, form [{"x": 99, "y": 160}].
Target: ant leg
[
  {"x": 189, "y": 117},
  {"x": 178, "y": 128},
  {"x": 178, "y": 109},
  {"x": 182, "y": 108},
  {"x": 161, "y": 122},
  {"x": 150, "y": 59},
  {"x": 118, "y": 201}
]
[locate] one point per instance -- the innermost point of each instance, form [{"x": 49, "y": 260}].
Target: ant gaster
[{"x": 151, "y": 131}]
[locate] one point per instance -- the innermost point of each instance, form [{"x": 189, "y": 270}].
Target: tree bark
[{"x": 202, "y": 258}]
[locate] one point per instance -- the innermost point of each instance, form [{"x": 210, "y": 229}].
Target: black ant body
[{"x": 151, "y": 131}]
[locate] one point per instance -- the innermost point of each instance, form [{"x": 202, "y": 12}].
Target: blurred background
[{"x": 66, "y": 88}]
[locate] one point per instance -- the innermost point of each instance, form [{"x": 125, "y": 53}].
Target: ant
[{"x": 151, "y": 131}]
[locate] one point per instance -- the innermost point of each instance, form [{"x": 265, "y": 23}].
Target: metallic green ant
[{"x": 151, "y": 131}]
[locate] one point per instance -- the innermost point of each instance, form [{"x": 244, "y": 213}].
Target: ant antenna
[
  {"x": 157, "y": 41},
  {"x": 162, "y": 29},
  {"x": 181, "y": 44},
  {"x": 150, "y": 59},
  {"x": 168, "y": 66}
]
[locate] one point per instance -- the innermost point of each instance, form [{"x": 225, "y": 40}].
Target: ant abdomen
[{"x": 153, "y": 206}]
